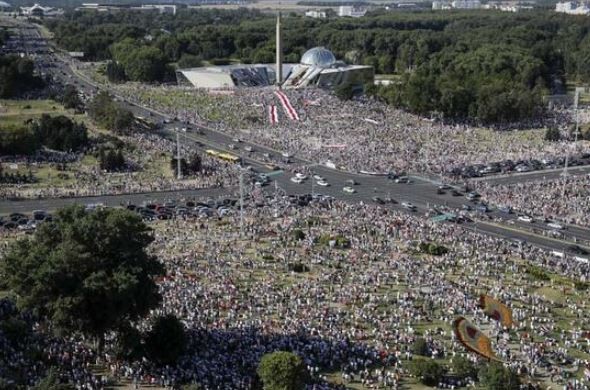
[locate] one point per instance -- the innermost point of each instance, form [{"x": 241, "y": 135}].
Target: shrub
[
  {"x": 464, "y": 368},
  {"x": 420, "y": 347},
  {"x": 282, "y": 371},
  {"x": 428, "y": 371},
  {"x": 432, "y": 248},
  {"x": 538, "y": 273},
  {"x": 166, "y": 341},
  {"x": 495, "y": 376},
  {"x": 298, "y": 267},
  {"x": 298, "y": 234}
]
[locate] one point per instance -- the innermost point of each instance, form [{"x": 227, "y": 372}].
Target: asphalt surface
[{"x": 421, "y": 192}]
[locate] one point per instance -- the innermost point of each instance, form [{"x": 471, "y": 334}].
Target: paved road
[
  {"x": 421, "y": 192},
  {"x": 547, "y": 174}
]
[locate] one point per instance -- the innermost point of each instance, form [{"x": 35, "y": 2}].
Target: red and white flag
[
  {"x": 272, "y": 114},
  {"x": 287, "y": 106}
]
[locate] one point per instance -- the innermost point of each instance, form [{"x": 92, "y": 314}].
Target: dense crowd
[
  {"x": 354, "y": 316},
  {"x": 562, "y": 199},
  {"x": 362, "y": 134},
  {"x": 144, "y": 157}
]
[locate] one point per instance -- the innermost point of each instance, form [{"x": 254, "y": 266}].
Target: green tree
[
  {"x": 128, "y": 345},
  {"x": 60, "y": 133},
  {"x": 17, "y": 76},
  {"x": 282, "y": 370},
  {"x": 87, "y": 271},
  {"x": 463, "y": 367},
  {"x": 420, "y": 347},
  {"x": 107, "y": 113},
  {"x": 167, "y": 340},
  {"x": 552, "y": 134},
  {"x": 195, "y": 164},
  {"x": 52, "y": 382},
  {"x": 428, "y": 371},
  {"x": 18, "y": 140},
  {"x": 386, "y": 64},
  {"x": 115, "y": 72},
  {"x": 189, "y": 61},
  {"x": 495, "y": 376},
  {"x": 70, "y": 97},
  {"x": 344, "y": 91},
  {"x": 183, "y": 166}
]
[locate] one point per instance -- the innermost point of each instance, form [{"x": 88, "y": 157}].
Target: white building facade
[{"x": 573, "y": 8}]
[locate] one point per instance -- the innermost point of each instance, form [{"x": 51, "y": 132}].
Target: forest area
[{"x": 488, "y": 66}]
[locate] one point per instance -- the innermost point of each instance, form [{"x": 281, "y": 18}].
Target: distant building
[
  {"x": 316, "y": 14},
  {"x": 40, "y": 11},
  {"x": 508, "y": 6},
  {"x": 318, "y": 67},
  {"x": 350, "y": 11},
  {"x": 466, "y": 4},
  {"x": 441, "y": 5},
  {"x": 573, "y": 8},
  {"x": 161, "y": 8}
]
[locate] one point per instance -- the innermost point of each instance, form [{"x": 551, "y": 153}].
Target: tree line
[
  {"x": 54, "y": 132},
  {"x": 484, "y": 65},
  {"x": 17, "y": 76}
]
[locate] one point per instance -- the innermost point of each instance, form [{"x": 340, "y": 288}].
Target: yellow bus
[
  {"x": 224, "y": 156},
  {"x": 212, "y": 152},
  {"x": 229, "y": 157}
]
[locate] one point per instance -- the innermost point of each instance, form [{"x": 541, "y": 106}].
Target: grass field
[{"x": 15, "y": 112}]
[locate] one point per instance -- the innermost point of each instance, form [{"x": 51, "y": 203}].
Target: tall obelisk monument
[{"x": 279, "y": 52}]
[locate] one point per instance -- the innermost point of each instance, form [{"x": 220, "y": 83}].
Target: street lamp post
[
  {"x": 565, "y": 173},
  {"x": 178, "y": 167}
]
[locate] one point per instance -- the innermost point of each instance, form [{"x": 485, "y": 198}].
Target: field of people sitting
[
  {"x": 363, "y": 315},
  {"x": 54, "y": 152}
]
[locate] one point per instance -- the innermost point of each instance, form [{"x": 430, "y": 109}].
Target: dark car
[
  {"x": 482, "y": 208},
  {"x": 576, "y": 249},
  {"x": 10, "y": 225},
  {"x": 14, "y": 217},
  {"x": 378, "y": 200}
]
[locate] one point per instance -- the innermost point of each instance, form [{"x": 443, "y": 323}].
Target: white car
[
  {"x": 318, "y": 177},
  {"x": 232, "y": 146},
  {"x": 248, "y": 149},
  {"x": 349, "y": 190},
  {"x": 297, "y": 180},
  {"x": 322, "y": 183},
  {"x": 237, "y": 140},
  {"x": 526, "y": 218},
  {"x": 409, "y": 205},
  {"x": 555, "y": 225},
  {"x": 286, "y": 155},
  {"x": 300, "y": 176}
]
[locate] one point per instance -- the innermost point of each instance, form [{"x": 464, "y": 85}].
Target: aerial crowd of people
[
  {"x": 359, "y": 135},
  {"x": 562, "y": 199},
  {"x": 355, "y": 310},
  {"x": 146, "y": 164}
]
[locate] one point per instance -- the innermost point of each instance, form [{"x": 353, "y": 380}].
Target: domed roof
[{"x": 318, "y": 56}]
